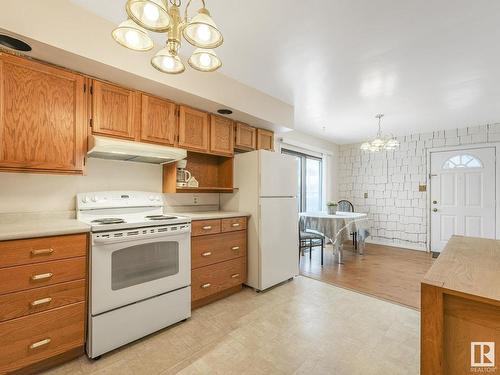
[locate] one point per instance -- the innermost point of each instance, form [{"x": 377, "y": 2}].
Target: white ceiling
[{"x": 428, "y": 65}]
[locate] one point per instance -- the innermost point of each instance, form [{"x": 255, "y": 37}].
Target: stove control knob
[
  {"x": 94, "y": 198},
  {"x": 85, "y": 199},
  {"x": 151, "y": 198},
  {"x": 158, "y": 198}
]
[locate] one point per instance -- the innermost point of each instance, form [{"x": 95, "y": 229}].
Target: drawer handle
[
  {"x": 42, "y": 252},
  {"x": 42, "y": 276},
  {"x": 235, "y": 248},
  {"x": 235, "y": 225},
  {"x": 207, "y": 285},
  {"x": 207, "y": 227},
  {"x": 235, "y": 276},
  {"x": 206, "y": 254},
  {"x": 42, "y": 301},
  {"x": 40, "y": 343}
]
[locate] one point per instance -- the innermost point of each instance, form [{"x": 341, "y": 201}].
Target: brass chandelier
[
  {"x": 380, "y": 143},
  {"x": 164, "y": 16}
]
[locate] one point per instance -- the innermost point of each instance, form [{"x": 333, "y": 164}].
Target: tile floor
[{"x": 302, "y": 327}]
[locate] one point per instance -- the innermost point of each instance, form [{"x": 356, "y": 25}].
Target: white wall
[
  {"x": 301, "y": 142},
  {"x": 398, "y": 211}
]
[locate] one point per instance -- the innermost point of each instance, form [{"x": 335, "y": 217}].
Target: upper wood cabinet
[
  {"x": 42, "y": 117},
  {"x": 245, "y": 138},
  {"x": 193, "y": 129},
  {"x": 221, "y": 136},
  {"x": 265, "y": 140},
  {"x": 158, "y": 121},
  {"x": 113, "y": 110}
]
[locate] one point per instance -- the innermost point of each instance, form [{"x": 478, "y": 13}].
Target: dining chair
[
  {"x": 310, "y": 240},
  {"x": 344, "y": 205}
]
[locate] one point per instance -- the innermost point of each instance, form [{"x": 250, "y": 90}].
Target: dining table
[{"x": 334, "y": 227}]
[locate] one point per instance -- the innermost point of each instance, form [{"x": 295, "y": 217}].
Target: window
[
  {"x": 462, "y": 161},
  {"x": 310, "y": 181}
]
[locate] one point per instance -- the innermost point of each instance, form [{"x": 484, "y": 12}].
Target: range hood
[{"x": 117, "y": 149}]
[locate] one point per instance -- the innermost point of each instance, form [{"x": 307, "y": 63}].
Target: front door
[{"x": 462, "y": 195}]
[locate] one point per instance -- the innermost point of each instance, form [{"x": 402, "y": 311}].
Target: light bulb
[
  {"x": 203, "y": 33},
  {"x": 151, "y": 12},
  {"x": 132, "y": 38},
  {"x": 205, "y": 59},
  {"x": 168, "y": 63}
]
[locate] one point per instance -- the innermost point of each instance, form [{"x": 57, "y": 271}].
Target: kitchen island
[{"x": 461, "y": 309}]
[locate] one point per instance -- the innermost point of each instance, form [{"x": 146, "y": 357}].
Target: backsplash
[{"x": 28, "y": 192}]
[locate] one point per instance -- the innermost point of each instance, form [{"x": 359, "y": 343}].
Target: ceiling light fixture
[
  {"x": 164, "y": 16},
  {"x": 380, "y": 143}
]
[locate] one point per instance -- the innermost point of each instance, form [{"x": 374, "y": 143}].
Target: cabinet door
[
  {"x": 158, "y": 120},
  {"x": 42, "y": 117},
  {"x": 245, "y": 139},
  {"x": 193, "y": 129},
  {"x": 265, "y": 140},
  {"x": 221, "y": 136},
  {"x": 113, "y": 110}
]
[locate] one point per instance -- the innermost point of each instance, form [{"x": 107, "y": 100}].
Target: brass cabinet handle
[
  {"x": 40, "y": 343},
  {"x": 207, "y": 227},
  {"x": 236, "y": 224},
  {"x": 235, "y": 275},
  {"x": 42, "y": 276},
  {"x": 42, "y": 301},
  {"x": 206, "y": 254},
  {"x": 207, "y": 285},
  {"x": 42, "y": 252},
  {"x": 235, "y": 248}
]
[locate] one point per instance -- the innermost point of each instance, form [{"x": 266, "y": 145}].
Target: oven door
[{"x": 128, "y": 269}]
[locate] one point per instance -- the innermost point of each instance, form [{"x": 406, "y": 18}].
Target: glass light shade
[
  {"x": 365, "y": 146},
  {"x": 205, "y": 60},
  {"x": 378, "y": 142},
  {"x": 132, "y": 36},
  {"x": 391, "y": 144},
  {"x": 167, "y": 62},
  {"x": 202, "y": 31},
  {"x": 150, "y": 14}
]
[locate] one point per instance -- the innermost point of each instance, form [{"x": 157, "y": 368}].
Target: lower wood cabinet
[
  {"x": 218, "y": 259},
  {"x": 43, "y": 288}
]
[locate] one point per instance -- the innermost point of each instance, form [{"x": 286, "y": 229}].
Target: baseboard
[{"x": 392, "y": 244}]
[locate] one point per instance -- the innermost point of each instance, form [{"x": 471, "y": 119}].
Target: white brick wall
[{"x": 396, "y": 208}]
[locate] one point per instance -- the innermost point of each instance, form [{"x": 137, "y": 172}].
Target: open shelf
[{"x": 214, "y": 174}]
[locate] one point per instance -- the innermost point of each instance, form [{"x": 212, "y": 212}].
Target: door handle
[
  {"x": 235, "y": 248},
  {"x": 236, "y": 224},
  {"x": 42, "y": 252},
  {"x": 206, "y": 254},
  {"x": 435, "y": 209},
  {"x": 207, "y": 227},
  {"x": 207, "y": 285},
  {"x": 39, "y": 302},
  {"x": 235, "y": 275},
  {"x": 42, "y": 276},
  {"x": 40, "y": 343}
]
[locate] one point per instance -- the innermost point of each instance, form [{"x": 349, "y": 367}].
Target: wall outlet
[
  {"x": 366, "y": 195},
  {"x": 195, "y": 199}
]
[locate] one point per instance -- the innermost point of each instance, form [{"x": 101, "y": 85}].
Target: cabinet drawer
[
  {"x": 35, "y": 250},
  {"x": 217, "y": 277},
  {"x": 202, "y": 227},
  {"x": 33, "y": 338},
  {"x": 15, "y": 305},
  {"x": 235, "y": 223},
  {"x": 206, "y": 250},
  {"x": 13, "y": 279}
]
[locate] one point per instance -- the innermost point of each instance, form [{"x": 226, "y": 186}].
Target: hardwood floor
[{"x": 386, "y": 272}]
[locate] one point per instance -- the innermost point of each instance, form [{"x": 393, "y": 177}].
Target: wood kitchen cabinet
[
  {"x": 221, "y": 136},
  {"x": 245, "y": 137},
  {"x": 42, "y": 301},
  {"x": 265, "y": 140},
  {"x": 42, "y": 117},
  {"x": 115, "y": 110},
  {"x": 218, "y": 259},
  {"x": 193, "y": 129},
  {"x": 158, "y": 120}
]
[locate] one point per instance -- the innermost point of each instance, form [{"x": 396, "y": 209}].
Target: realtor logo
[{"x": 482, "y": 354}]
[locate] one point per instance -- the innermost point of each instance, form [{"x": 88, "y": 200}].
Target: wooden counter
[{"x": 461, "y": 304}]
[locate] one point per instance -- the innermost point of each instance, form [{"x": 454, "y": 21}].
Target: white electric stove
[{"x": 140, "y": 267}]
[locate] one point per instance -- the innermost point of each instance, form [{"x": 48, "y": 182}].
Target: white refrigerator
[{"x": 266, "y": 187}]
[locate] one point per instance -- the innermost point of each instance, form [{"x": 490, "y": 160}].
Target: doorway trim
[{"x": 496, "y": 146}]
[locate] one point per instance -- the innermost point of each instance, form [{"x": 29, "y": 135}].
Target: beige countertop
[
  {"x": 31, "y": 225},
  {"x": 207, "y": 215}
]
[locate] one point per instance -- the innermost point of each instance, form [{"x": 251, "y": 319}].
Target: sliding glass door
[{"x": 310, "y": 181}]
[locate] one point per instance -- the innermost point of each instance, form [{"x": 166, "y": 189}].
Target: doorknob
[
  {"x": 435, "y": 210},
  {"x": 434, "y": 202}
]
